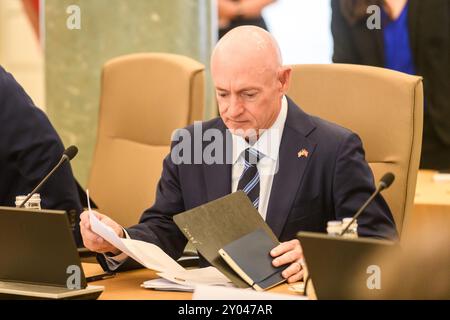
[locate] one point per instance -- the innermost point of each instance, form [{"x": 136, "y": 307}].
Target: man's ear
[{"x": 284, "y": 76}]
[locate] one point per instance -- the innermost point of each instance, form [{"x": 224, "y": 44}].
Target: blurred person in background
[
  {"x": 414, "y": 38},
  {"x": 29, "y": 148},
  {"x": 235, "y": 13},
  {"x": 32, "y": 9}
]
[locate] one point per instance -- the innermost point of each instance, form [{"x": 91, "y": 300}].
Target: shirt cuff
[{"x": 116, "y": 261}]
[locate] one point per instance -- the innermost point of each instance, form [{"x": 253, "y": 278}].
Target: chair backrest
[
  {"x": 144, "y": 98},
  {"x": 384, "y": 107}
]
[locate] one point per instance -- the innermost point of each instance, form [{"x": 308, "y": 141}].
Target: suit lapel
[
  {"x": 290, "y": 173},
  {"x": 287, "y": 180}
]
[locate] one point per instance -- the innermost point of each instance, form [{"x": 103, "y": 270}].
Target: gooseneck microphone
[
  {"x": 68, "y": 155},
  {"x": 385, "y": 182}
]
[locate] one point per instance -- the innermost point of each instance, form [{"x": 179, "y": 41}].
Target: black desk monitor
[
  {"x": 342, "y": 268},
  {"x": 38, "y": 250}
]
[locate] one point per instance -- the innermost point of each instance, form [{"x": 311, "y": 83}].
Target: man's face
[{"x": 249, "y": 97}]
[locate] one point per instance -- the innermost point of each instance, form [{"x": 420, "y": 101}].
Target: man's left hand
[{"x": 289, "y": 252}]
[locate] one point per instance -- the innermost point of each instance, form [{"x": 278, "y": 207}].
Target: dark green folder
[
  {"x": 250, "y": 257},
  {"x": 212, "y": 226}
]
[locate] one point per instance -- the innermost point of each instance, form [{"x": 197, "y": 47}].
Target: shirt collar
[{"x": 269, "y": 142}]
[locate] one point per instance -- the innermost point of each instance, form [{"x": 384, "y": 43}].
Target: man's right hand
[{"x": 93, "y": 241}]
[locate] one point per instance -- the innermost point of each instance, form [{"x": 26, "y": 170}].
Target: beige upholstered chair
[
  {"x": 384, "y": 107},
  {"x": 144, "y": 97}
]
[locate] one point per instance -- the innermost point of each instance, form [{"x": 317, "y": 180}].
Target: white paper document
[
  {"x": 107, "y": 233},
  {"x": 153, "y": 257},
  {"x": 204, "y": 276},
  {"x": 166, "y": 285},
  {"x": 441, "y": 177},
  {"x": 147, "y": 254},
  {"x": 188, "y": 280}
]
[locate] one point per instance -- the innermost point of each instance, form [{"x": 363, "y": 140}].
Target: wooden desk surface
[
  {"x": 127, "y": 286},
  {"x": 430, "y": 192},
  {"x": 431, "y": 202}
]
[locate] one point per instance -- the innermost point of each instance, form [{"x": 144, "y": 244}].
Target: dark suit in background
[
  {"x": 29, "y": 149},
  {"x": 429, "y": 27},
  {"x": 242, "y": 21},
  {"x": 331, "y": 183}
]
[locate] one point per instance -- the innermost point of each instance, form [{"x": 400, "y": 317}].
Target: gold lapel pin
[{"x": 303, "y": 153}]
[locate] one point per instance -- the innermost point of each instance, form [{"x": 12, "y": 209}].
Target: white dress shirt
[{"x": 268, "y": 145}]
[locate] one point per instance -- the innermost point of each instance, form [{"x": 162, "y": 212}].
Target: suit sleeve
[
  {"x": 344, "y": 49},
  {"x": 353, "y": 184}
]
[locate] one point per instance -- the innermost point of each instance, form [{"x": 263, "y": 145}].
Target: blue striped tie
[{"x": 249, "y": 180}]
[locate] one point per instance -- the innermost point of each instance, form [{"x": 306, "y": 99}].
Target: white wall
[
  {"x": 20, "y": 52},
  {"x": 302, "y": 28}
]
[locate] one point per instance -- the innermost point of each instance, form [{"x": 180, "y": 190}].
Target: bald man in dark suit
[{"x": 305, "y": 171}]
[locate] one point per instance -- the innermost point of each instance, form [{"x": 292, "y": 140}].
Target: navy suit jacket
[
  {"x": 29, "y": 149},
  {"x": 307, "y": 192}
]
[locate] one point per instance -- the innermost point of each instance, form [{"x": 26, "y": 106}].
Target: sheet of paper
[
  {"x": 152, "y": 256},
  {"x": 193, "y": 277},
  {"x": 107, "y": 233},
  {"x": 147, "y": 254},
  {"x": 441, "y": 177},
  {"x": 163, "y": 284},
  {"x": 187, "y": 280}
]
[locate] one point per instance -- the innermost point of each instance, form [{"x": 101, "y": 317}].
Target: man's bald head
[
  {"x": 249, "y": 78},
  {"x": 247, "y": 45}
]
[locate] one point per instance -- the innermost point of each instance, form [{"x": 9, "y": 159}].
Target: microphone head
[
  {"x": 70, "y": 152},
  {"x": 386, "y": 180}
]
